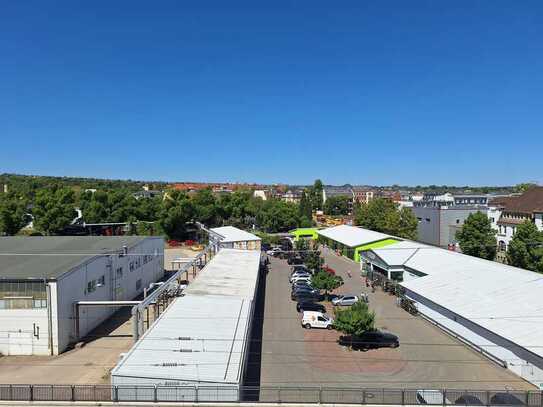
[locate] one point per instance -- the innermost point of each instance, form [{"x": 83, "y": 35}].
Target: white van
[{"x": 315, "y": 319}]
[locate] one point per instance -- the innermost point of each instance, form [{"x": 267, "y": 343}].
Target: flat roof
[
  {"x": 502, "y": 299},
  {"x": 233, "y": 234},
  {"x": 199, "y": 338},
  {"x": 49, "y": 257},
  {"x": 231, "y": 272},
  {"x": 398, "y": 253},
  {"x": 352, "y": 236}
]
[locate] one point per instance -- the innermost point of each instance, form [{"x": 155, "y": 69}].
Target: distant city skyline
[{"x": 356, "y": 92}]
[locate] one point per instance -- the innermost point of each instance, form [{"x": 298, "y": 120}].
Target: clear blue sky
[{"x": 383, "y": 92}]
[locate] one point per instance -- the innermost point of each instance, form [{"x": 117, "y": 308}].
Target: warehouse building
[
  {"x": 200, "y": 341},
  {"x": 42, "y": 278},
  {"x": 234, "y": 238},
  {"x": 351, "y": 240},
  {"x": 494, "y": 308}
]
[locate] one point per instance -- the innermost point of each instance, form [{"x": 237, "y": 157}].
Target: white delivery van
[{"x": 315, "y": 319}]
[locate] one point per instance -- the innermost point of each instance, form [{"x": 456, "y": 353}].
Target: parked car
[
  {"x": 304, "y": 289},
  {"x": 370, "y": 340},
  {"x": 345, "y": 300},
  {"x": 300, "y": 267},
  {"x": 306, "y": 296},
  {"x": 292, "y": 260},
  {"x": 302, "y": 284},
  {"x": 274, "y": 252},
  {"x": 315, "y": 319},
  {"x": 310, "y": 306},
  {"x": 300, "y": 273},
  {"x": 300, "y": 278}
]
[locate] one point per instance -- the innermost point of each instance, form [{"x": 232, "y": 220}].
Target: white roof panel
[
  {"x": 233, "y": 234},
  {"x": 503, "y": 299},
  {"x": 352, "y": 236},
  {"x": 398, "y": 253},
  {"x": 198, "y": 338},
  {"x": 231, "y": 272}
]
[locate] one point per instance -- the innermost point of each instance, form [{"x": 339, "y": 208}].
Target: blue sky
[{"x": 383, "y": 92}]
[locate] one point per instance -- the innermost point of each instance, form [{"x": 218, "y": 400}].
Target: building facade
[
  {"x": 44, "y": 277},
  {"x": 507, "y": 213},
  {"x": 440, "y": 216},
  {"x": 230, "y": 237}
]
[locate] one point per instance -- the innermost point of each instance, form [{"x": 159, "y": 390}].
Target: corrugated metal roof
[
  {"x": 51, "y": 256},
  {"x": 199, "y": 338},
  {"x": 503, "y": 299},
  {"x": 352, "y": 236},
  {"x": 232, "y": 272},
  {"x": 233, "y": 234}
]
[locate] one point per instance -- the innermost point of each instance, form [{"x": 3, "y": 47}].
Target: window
[
  {"x": 457, "y": 221},
  {"x": 138, "y": 284},
  {"x": 22, "y": 294},
  {"x": 428, "y": 220},
  {"x": 131, "y": 266},
  {"x": 119, "y": 272},
  {"x": 101, "y": 281},
  {"x": 91, "y": 286}
]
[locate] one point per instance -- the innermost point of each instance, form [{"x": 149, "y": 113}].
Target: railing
[{"x": 265, "y": 394}]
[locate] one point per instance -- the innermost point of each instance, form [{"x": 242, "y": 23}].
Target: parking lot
[{"x": 426, "y": 359}]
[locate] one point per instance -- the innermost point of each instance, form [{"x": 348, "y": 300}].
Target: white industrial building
[
  {"x": 43, "y": 278},
  {"x": 494, "y": 308},
  {"x": 198, "y": 348},
  {"x": 234, "y": 238}
]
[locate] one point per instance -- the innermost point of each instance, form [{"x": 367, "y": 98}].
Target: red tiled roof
[{"x": 529, "y": 202}]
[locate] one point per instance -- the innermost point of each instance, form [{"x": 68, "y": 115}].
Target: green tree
[
  {"x": 53, "y": 209},
  {"x": 314, "y": 261},
  {"x": 316, "y": 195},
  {"x": 477, "y": 238},
  {"x": 13, "y": 215},
  {"x": 322, "y": 280},
  {"x": 337, "y": 205},
  {"x": 176, "y": 212},
  {"x": 305, "y": 206},
  {"x": 383, "y": 215},
  {"x": 355, "y": 320},
  {"x": 206, "y": 207},
  {"x": 526, "y": 248}
]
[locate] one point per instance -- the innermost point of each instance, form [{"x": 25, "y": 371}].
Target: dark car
[
  {"x": 300, "y": 267},
  {"x": 301, "y": 283},
  {"x": 310, "y": 306},
  {"x": 370, "y": 340},
  {"x": 295, "y": 260},
  {"x": 303, "y": 290},
  {"x": 307, "y": 296}
]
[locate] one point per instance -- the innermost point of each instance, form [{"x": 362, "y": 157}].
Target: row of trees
[
  {"x": 478, "y": 238},
  {"x": 384, "y": 215},
  {"x": 53, "y": 208}
]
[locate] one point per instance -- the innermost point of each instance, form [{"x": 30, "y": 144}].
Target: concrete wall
[
  {"x": 118, "y": 285},
  {"x": 428, "y": 224},
  {"x": 438, "y": 226}
]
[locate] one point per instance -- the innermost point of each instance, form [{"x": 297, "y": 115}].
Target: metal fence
[{"x": 316, "y": 395}]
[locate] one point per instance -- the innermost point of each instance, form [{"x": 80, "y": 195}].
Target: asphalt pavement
[{"x": 426, "y": 359}]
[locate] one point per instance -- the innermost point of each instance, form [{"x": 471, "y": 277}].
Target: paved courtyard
[{"x": 426, "y": 359}]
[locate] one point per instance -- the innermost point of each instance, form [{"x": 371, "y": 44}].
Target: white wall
[
  {"x": 73, "y": 286},
  {"x": 17, "y": 332}
]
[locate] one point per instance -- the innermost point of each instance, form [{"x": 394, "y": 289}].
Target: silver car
[{"x": 345, "y": 300}]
